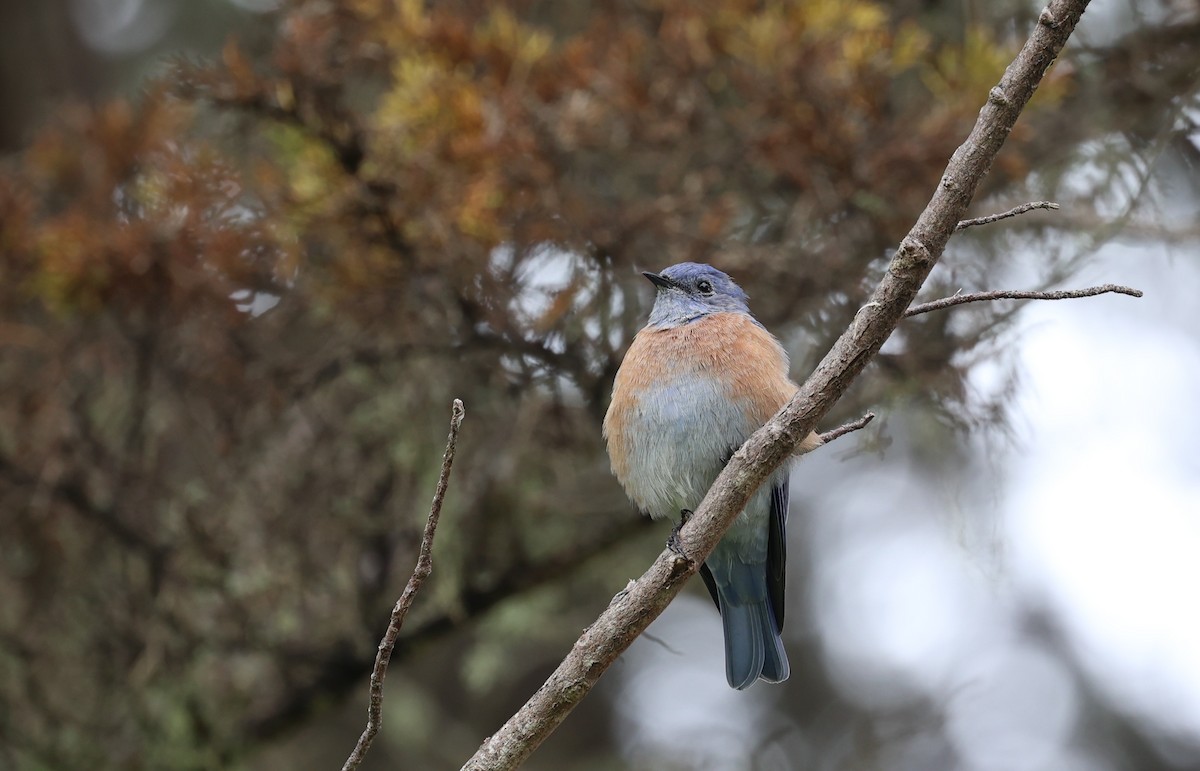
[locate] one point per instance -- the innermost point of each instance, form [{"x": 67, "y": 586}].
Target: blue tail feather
[{"x": 753, "y": 646}]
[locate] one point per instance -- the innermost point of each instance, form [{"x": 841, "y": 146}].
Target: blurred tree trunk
[{"x": 42, "y": 62}]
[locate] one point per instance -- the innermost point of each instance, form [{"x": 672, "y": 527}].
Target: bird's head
[{"x": 690, "y": 290}]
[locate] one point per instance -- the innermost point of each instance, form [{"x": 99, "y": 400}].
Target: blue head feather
[{"x": 691, "y": 290}]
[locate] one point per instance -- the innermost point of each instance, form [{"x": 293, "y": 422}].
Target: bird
[{"x": 696, "y": 382}]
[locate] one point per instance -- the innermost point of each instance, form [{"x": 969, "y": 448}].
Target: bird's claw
[{"x": 673, "y": 542}]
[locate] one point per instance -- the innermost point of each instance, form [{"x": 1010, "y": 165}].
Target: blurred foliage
[{"x": 234, "y": 310}]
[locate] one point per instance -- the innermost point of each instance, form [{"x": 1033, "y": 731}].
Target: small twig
[
  {"x": 420, "y": 573},
  {"x": 1006, "y": 294},
  {"x": 660, "y": 641},
  {"x": 847, "y": 428},
  {"x": 1014, "y": 212}
]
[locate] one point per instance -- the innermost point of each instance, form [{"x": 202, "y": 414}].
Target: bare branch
[
  {"x": 420, "y": 573},
  {"x": 629, "y": 615},
  {"x": 1010, "y": 294},
  {"x": 1016, "y": 211},
  {"x": 847, "y": 428}
]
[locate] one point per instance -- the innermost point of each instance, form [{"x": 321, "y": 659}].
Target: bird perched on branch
[{"x": 698, "y": 380}]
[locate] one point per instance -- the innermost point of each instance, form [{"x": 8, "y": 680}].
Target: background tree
[{"x": 235, "y": 307}]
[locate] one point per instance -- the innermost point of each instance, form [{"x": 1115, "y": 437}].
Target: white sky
[{"x": 1104, "y": 517}]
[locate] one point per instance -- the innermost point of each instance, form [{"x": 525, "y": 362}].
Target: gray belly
[{"x": 682, "y": 434}]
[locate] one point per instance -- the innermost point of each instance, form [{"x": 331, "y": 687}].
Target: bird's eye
[{"x": 705, "y": 287}]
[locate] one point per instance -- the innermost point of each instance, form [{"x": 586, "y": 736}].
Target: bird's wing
[
  {"x": 777, "y": 549},
  {"x": 710, "y": 583}
]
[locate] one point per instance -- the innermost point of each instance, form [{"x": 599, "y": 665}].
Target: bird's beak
[{"x": 659, "y": 281}]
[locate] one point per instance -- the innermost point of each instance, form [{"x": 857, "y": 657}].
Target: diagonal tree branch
[
  {"x": 632, "y": 611},
  {"x": 420, "y": 573}
]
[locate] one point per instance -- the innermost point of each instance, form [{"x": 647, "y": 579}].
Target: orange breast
[
  {"x": 729, "y": 374},
  {"x": 750, "y": 363}
]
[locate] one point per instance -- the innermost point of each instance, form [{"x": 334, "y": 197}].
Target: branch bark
[
  {"x": 632, "y": 611},
  {"x": 1016, "y": 211},
  {"x": 420, "y": 573},
  {"x": 846, "y": 428},
  {"x": 1007, "y": 294}
]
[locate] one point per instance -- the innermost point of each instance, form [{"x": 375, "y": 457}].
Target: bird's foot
[{"x": 673, "y": 542}]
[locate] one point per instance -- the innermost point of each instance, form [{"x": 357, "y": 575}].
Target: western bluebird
[{"x": 698, "y": 380}]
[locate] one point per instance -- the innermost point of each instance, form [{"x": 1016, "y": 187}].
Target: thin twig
[
  {"x": 1008, "y": 294},
  {"x": 660, "y": 641},
  {"x": 1013, "y": 212},
  {"x": 847, "y": 428},
  {"x": 420, "y": 573}
]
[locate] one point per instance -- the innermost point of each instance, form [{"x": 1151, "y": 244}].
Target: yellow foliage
[
  {"x": 477, "y": 215},
  {"x": 69, "y": 275},
  {"x": 855, "y": 36},
  {"x": 430, "y": 102},
  {"x": 505, "y": 32},
  {"x": 910, "y": 44},
  {"x": 970, "y": 69}
]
